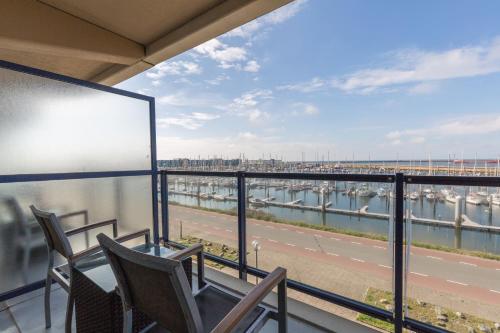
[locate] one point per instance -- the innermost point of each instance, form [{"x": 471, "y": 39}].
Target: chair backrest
[
  {"x": 54, "y": 234},
  {"x": 158, "y": 287}
]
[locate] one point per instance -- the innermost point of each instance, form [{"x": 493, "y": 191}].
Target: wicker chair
[
  {"x": 158, "y": 287},
  {"x": 57, "y": 241}
]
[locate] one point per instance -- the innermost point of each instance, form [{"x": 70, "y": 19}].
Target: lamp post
[{"x": 256, "y": 248}]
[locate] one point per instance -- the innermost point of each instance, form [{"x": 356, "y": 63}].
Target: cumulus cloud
[
  {"x": 179, "y": 68},
  {"x": 417, "y": 66},
  {"x": 472, "y": 125},
  {"x": 248, "y": 104},
  {"x": 252, "y": 66},
  {"x": 305, "y": 109},
  {"x": 226, "y": 56}
]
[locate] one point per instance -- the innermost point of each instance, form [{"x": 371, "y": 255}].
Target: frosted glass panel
[
  {"x": 47, "y": 126},
  {"x": 23, "y": 254}
]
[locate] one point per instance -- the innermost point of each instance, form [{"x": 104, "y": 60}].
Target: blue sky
[{"x": 387, "y": 79}]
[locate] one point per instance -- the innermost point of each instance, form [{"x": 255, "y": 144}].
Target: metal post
[
  {"x": 164, "y": 206},
  {"x": 242, "y": 231},
  {"x": 398, "y": 254}
]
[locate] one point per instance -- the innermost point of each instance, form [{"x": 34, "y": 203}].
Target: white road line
[
  {"x": 256, "y": 237},
  {"x": 195, "y": 222},
  {"x": 319, "y": 236},
  {"x": 337, "y": 239},
  {"x": 309, "y": 249},
  {"x": 419, "y": 274},
  {"x": 290, "y": 244},
  {"x": 357, "y": 243},
  {"x": 379, "y": 247},
  {"x": 272, "y": 240},
  {"x": 356, "y": 259},
  {"x": 456, "y": 282},
  {"x": 332, "y": 254},
  {"x": 228, "y": 230},
  {"x": 257, "y": 224},
  {"x": 385, "y": 266},
  {"x": 299, "y": 232},
  {"x": 495, "y": 291},
  {"x": 432, "y": 257},
  {"x": 498, "y": 269},
  {"x": 269, "y": 226},
  {"x": 284, "y": 229},
  {"x": 467, "y": 263}
]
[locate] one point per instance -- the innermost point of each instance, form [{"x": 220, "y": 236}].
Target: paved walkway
[{"x": 348, "y": 265}]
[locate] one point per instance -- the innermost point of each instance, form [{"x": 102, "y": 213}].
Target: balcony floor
[{"x": 24, "y": 314}]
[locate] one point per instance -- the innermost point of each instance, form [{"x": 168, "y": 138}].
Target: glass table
[{"x": 98, "y": 305}]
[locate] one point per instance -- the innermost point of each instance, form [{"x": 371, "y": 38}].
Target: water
[{"x": 470, "y": 240}]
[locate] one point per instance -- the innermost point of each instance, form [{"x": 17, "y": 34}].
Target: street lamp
[{"x": 256, "y": 248}]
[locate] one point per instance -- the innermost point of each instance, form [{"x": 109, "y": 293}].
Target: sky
[{"x": 339, "y": 79}]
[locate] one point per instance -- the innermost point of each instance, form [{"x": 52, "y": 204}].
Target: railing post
[
  {"x": 398, "y": 254},
  {"x": 242, "y": 230},
  {"x": 164, "y": 206}
]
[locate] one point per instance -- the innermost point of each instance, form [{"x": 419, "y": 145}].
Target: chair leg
[
  {"x": 69, "y": 312},
  {"x": 48, "y": 288}
]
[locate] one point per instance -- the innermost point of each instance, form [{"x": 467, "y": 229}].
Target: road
[{"x": 469, "y": 278}]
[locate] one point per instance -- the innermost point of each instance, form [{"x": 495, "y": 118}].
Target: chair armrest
[
  {"x": 96, "y": 248},
  {"x": 90, "y": 226},
  {"x": 196, "y": 249},
  {"x": 253, "y": 298}
]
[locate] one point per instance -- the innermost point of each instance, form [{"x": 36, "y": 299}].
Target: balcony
[{"x": 354, "y": 268}]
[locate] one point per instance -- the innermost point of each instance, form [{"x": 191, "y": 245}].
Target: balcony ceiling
[{"x": 108, "y": 41}]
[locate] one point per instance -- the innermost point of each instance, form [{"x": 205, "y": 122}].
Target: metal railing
[{"x": 398, "y": 180}]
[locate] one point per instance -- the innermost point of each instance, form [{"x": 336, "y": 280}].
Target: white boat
[
  {"x": 382, "y": 192},
  {"x": 258, "y": 203},
  {"x": 495, "y": 199},
  {"x": 451, "y": 197},
  {"x": 430, "y": 196},
  {"x": 414, "y": 196},
  {"x": 219, "y": 197}
]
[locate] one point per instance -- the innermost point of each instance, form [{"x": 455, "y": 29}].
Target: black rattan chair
[
  {"x": 57, "y": 241},
  {"x": 158, "y": 287}
]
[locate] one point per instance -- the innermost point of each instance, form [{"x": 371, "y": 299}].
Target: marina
[{"x": 439, "y": 215}]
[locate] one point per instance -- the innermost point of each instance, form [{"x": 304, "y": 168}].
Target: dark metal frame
[
  {"x": 18, "y": 178},
  {"x": 399, "y": 180}
]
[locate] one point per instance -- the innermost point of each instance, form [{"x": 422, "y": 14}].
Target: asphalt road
[{"x": 465, "y": 276}]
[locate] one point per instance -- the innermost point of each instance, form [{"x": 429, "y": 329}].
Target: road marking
[
  {"x": 319, "y": 236},
  {"x": 299, "y": 232},
  {"x": 337, "y": 239},
  {"x": 332, "y": 254},
  {"x": 498, "y": 269},
  {"x": 272, "y": 240},
  {"x": 357, "y": 243},
  {"x": 419, "y": 274},
  {"x": 456, "y": 282},
  {"x": 195, "y": 222},
  {"x": 359, "y": 260},
  {"x": 257, "y": 224},
  {"x": 309, "y": 249},
  {"x": 432, "y": 257},
  {"x": 379, "y": 247},
  {"x": 284, "y": 229},
  {"x": 290, "y": 244},
  {"x": 269, "y": 226},
  {"x": 256, "y": 237},
  {"x": 385, "y": 266},
  {"x": 229, "y": 230},
  {"x": 467, "y": 263},
  {"x": 495, "y": 291}
]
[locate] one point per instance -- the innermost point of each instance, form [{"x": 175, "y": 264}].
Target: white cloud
[
  {"x": 156, "y": 83},
  {"x": 313, "y": 85},
  {"x": 252, "y": 66},
  {"x": 416, "y": 66},
  {"x": 278, "y": 16},
  {"x": 424, "y": 88},
  {"x": 184, "y": 99},
  {"x": 218, "y": 79},
  {"x": 227, "y": 56},
  {"x": 472, "y": 125},
  {"x": 173, "y": 68},
  {"x": 247, "y": 105},
  {"x": 305, "y": 109},
  {"x": 191, "y": 121}
]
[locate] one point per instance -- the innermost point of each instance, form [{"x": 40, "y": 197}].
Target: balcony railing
[{"x": 399, "y": 182}]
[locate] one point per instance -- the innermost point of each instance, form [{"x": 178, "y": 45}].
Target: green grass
[
  {"x": 259, "y": 215},
  {"x": 424, "y": 312}
]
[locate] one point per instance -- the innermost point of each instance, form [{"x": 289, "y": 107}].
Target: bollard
[
  {"x": 458, "y": 222},
  {"x": 323, "y": 200}
]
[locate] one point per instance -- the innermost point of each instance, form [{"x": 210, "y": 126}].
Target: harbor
[{"x": 466, "y": 218}]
